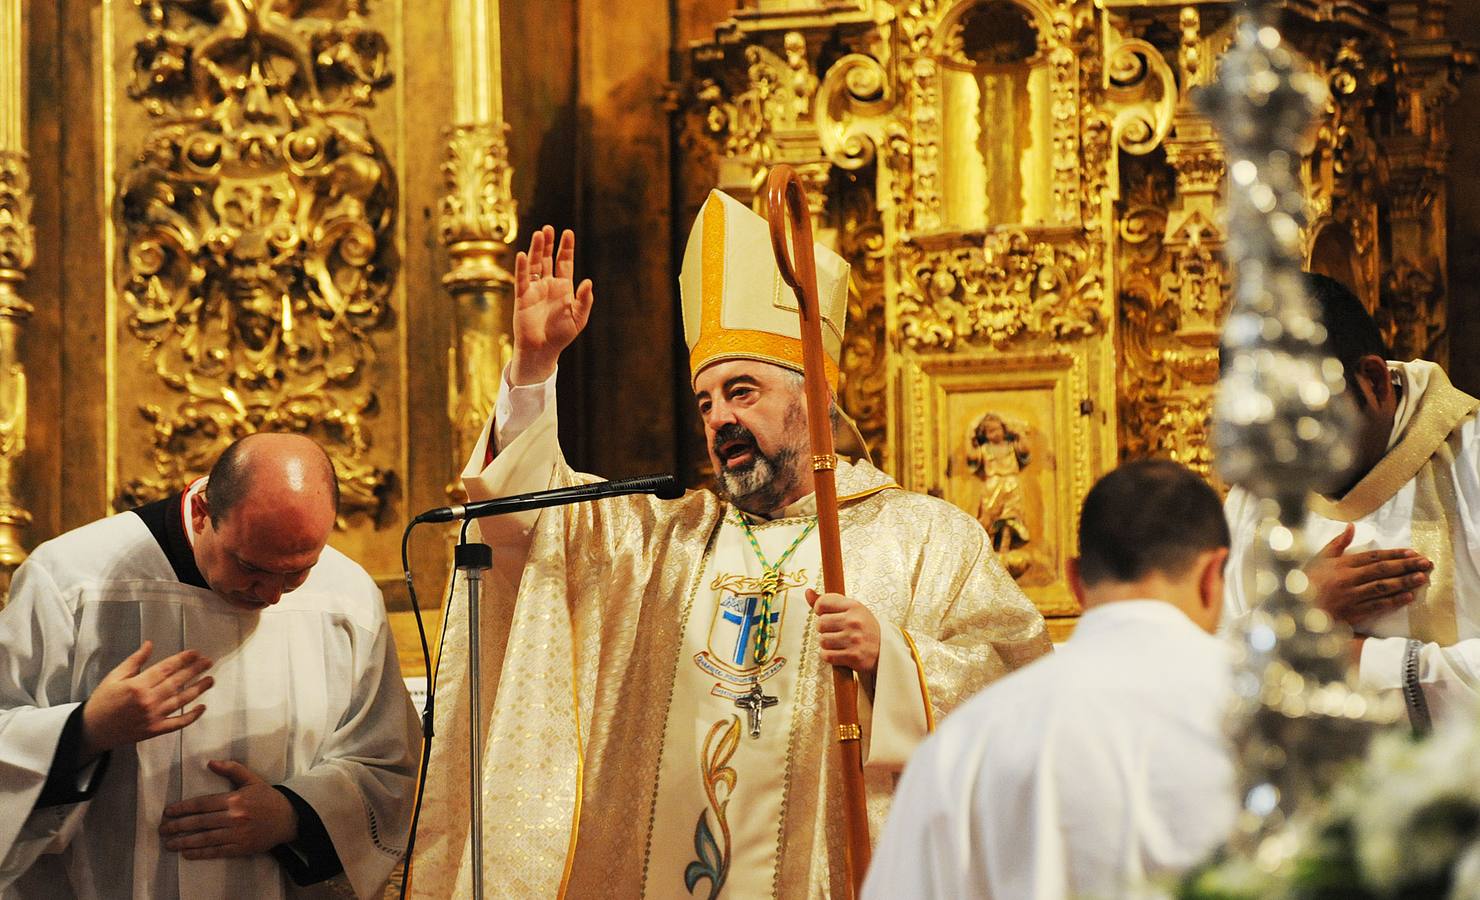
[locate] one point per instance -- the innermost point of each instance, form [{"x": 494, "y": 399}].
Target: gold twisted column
[
  {"x": 478, "y": 223},
  {"x": 17, "y": 250}
]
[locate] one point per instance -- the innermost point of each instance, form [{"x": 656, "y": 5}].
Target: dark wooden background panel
[
  {"x": 585, "y": 86},
  {"x": 1464, "y": 214},
  {"x": 41, "y": 467}
]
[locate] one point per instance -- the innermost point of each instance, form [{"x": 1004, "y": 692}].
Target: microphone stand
[{"x": 472, "y": 560}]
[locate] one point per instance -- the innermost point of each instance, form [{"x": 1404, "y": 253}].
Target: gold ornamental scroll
[
  {"x": 478, "y": 223},
  {"x": 17, "y": 250},
  {"x": 255, "y": 217}
]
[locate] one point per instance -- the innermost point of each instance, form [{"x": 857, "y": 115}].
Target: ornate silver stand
[{"x": 1280, "y": 420}]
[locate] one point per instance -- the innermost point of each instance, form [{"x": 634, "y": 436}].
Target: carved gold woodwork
[
  {"x": 1037, "y": 395},
  {"x": 1427, "y": 69},
  {"x": 478, "y": 224},
  {"x": 17, "y": 252},
  {"x": 1029, "y": 179},
  {"x": 257, "y": 251}
]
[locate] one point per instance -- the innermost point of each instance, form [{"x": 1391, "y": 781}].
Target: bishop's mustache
[{"x": 732, "y": 439}]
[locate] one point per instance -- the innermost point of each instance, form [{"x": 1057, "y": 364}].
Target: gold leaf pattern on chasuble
[{"x": 600, "y": 604}]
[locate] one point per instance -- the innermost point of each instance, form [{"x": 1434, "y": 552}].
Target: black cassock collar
[{"x": 165, "y": 520}]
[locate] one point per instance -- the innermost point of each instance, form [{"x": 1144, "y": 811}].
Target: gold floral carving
[
  {"x": 775, "y": 101},
  {"x": 1106, "y": 242},
  {"x": 479, "y": 204},
  {"x": 1013, "y": 286},
  {"x": 257, "y": 235},
  {"x": 864, "y": 387},
  {"x": 850, "y": 102},
  {"x": 1413, "y": 310},
  {"x": 1426, "y": 79},
  {"x": 1342, "y": 181},
  {"x": 1141, "y": 94},
  {"x": 937, "y": 37},
  {"x": 1173, "y": 291},
  {"x": 1170, "y": 280},
  {"x": 17, "y": 235}
]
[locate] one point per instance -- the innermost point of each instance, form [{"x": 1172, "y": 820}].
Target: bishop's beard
[{"x": 761, "y": 485}]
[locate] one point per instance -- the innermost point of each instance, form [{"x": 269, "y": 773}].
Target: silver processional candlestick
[{"x": 1281, "y": 427}]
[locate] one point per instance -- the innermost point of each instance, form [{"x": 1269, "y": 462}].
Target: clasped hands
[
  {"x": 1356, "y": 588},
  {"x": 132, "y": 704}
]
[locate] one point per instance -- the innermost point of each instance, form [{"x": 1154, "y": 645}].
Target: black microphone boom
[{"x": 664, "y": 487}]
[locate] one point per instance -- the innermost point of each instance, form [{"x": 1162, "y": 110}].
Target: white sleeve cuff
[
  {"x": 518, "y": 406},
  {"x": 1381, "y": 665},
  {"x": 895, "y": 720}
]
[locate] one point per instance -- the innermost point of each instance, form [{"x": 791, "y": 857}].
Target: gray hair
[{"x": 797, "y": 381}]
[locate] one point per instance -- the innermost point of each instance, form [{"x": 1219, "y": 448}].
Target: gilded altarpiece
[
  {"x": 1031, "y": 204},
  {"x": 255, "y": 225},
  {"x": 250, "y": 268},
  {"x": 254, "y": 240}
]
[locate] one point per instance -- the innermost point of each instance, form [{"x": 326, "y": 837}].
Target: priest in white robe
[
  {"x": 297, "y": 765},
  {"x": 1101, "y": 771},
  {"x": 1401, "y": 555},
  {"x": 657, "y": 689}
]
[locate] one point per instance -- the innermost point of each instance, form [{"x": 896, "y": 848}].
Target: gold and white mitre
[{"x": 735, "y": 303}]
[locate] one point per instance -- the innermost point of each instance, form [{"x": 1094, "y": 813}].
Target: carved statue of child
[{"x": 998, "y": 454}]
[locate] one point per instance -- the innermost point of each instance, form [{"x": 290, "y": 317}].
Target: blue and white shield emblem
[
  {"x": 737, "y": 618},
  {"x": 733, "y": 637}
]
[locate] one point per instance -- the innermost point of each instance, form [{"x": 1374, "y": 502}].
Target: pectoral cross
[{"x": 753, "y": 703}]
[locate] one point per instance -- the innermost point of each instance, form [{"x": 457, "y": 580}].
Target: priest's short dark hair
[
  {"x": 1351, "y": 332},
  {"x": 1151, "y": 515}
]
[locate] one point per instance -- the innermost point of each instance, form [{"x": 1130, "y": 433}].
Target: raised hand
[
  {"x": 549, "y": 310},
  {"x": 1356, "y": 587},
  {"x": 134, "y": 704},
  {"x": 253, "y": 818}
]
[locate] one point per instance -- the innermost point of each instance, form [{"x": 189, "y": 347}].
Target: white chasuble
[{"x": 616, "y": 762}]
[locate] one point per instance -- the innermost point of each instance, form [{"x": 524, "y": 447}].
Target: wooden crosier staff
[{"x": 787, "y": 200}]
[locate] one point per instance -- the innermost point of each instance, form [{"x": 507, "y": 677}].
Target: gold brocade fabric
[
  {"x": 1425, "y": 456},
  {"x": 581, "y": 636}
]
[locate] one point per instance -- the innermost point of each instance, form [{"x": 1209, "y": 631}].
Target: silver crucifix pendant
[{"x": 753, "y": 702}]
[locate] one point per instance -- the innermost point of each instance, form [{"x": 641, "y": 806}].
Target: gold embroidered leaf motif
[
  {"x": 717, "y": 755},
  {"x": 713, "y": 860}
]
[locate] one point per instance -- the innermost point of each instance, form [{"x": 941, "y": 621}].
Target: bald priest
[
  {"x": 200, "y": 699},
  {"x": 661, "y": 721}
]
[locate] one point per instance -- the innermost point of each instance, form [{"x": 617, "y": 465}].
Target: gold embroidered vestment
[{"x": 612, "y": 656}]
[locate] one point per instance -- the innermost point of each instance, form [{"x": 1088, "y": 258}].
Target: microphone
[{"x": 664, "y": 487}]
